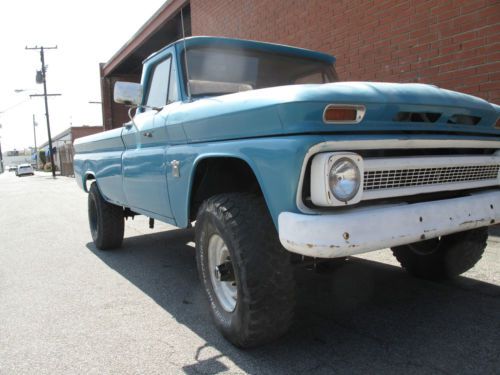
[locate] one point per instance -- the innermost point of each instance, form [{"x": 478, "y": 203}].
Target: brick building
[{"x": 452, "y": 44}]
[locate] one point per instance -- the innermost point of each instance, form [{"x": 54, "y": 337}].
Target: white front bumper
[{"x": 359, "y": 231}]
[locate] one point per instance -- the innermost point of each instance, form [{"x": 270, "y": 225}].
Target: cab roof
[{"x": 197, "y": 41}]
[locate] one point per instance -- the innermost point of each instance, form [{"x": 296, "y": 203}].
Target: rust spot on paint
[
  {"x": 472, "y": 222},
  {"x": 309, "y": 245},
  {"x": 467, "y": 222}
]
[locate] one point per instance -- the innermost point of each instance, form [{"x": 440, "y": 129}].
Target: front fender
[{"x": 275, "y": 161}]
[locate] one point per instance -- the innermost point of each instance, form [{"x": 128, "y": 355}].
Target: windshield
[{"x": 216, "y": 71}]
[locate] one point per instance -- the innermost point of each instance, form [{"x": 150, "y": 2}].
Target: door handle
[
  {"x": 147, "y": 134},
  {"x": 175, "y": 168}
]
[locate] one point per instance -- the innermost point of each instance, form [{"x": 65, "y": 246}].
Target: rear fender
[{"x": 88, "y": 176}]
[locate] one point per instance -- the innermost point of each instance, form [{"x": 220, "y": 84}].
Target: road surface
[{"x": 67, "y": 308}]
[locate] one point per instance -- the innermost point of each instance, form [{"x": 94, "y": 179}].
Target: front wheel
[
  {"x": 444, "y": 257},
  {"x": 106, "y": 221},
  {"x": 245, "y": 271}
]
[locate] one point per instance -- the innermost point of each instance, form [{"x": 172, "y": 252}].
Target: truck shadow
[{"x": 359, "y": 316}]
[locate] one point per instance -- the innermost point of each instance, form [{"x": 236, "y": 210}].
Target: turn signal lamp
[{"x": 343, "y": 114}]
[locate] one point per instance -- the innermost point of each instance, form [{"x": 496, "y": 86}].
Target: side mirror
[{"x": 128, "y": 93}]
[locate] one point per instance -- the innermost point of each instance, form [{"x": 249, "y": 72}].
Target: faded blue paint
[
  {"x": 276, "y": 163},
  {"x": 101, "y": 156},
  {"x": 270, "y": 129}
]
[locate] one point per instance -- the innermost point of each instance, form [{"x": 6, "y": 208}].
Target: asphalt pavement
[{"x": 68, "y": 308}]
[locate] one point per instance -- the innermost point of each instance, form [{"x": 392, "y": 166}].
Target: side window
[
  {"x": 158, "y": 86},
  {"x": 173, "y": 91}
]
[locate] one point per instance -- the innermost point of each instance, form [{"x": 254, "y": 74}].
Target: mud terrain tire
[
  {"x": 106, "y": 221},
  {"x": 445, "y": 257},
  {"x": 261, "y": 269}
]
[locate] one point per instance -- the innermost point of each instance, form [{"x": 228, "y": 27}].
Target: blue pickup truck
[{"x": 276, "y": 161}]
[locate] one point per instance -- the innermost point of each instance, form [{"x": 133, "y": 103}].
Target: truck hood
[{"x": 299, "y": 109}]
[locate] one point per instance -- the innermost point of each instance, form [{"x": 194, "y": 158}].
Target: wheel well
[
  {"x": 220, "y": 175},
  {"x": 88, "y": 177}
]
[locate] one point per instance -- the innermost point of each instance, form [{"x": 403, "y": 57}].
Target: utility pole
[
  {"x": 44, "y": 81},
  {"x": 34, "y": 136}
]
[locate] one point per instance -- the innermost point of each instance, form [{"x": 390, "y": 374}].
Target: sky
[{"x": 86, "y": 34}]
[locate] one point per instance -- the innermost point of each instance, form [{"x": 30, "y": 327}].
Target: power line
[{"x": 13, "y": 106}]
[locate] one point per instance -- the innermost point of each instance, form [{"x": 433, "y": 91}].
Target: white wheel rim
[{"x": 226, "y": 291}]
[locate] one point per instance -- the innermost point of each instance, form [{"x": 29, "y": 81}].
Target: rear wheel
[
  {"x": 443, "y": 257},
  {"x": 245, "y": 271},
  {"x": 106, "y": 221}
]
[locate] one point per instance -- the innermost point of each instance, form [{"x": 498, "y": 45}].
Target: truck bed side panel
[{"x": 100, "y": 155}]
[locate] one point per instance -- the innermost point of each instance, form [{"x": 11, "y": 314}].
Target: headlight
[
  {"x": 336, "y": 178},
  {"x": 344, "y": 179}
]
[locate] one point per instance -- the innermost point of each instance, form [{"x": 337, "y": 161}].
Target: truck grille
[{"x": 411, "y": 177}]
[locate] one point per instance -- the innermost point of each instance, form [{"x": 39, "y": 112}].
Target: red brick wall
[{"x": 453, "y": 44}]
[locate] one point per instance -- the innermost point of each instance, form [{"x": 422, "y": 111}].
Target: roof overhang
[{"x": 162, "y": 28}]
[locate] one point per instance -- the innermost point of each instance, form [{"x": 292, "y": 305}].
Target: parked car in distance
[
  {"x": 12, "y": 168},
  {"x": 24, "y": 170}
]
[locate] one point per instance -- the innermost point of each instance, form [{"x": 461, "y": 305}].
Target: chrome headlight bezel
[
  {"x": 321, "y": 192},
  {"x": 338, "y": 177}
]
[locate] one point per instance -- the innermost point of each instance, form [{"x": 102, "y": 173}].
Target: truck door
[{"x": 144, "y": 167}]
